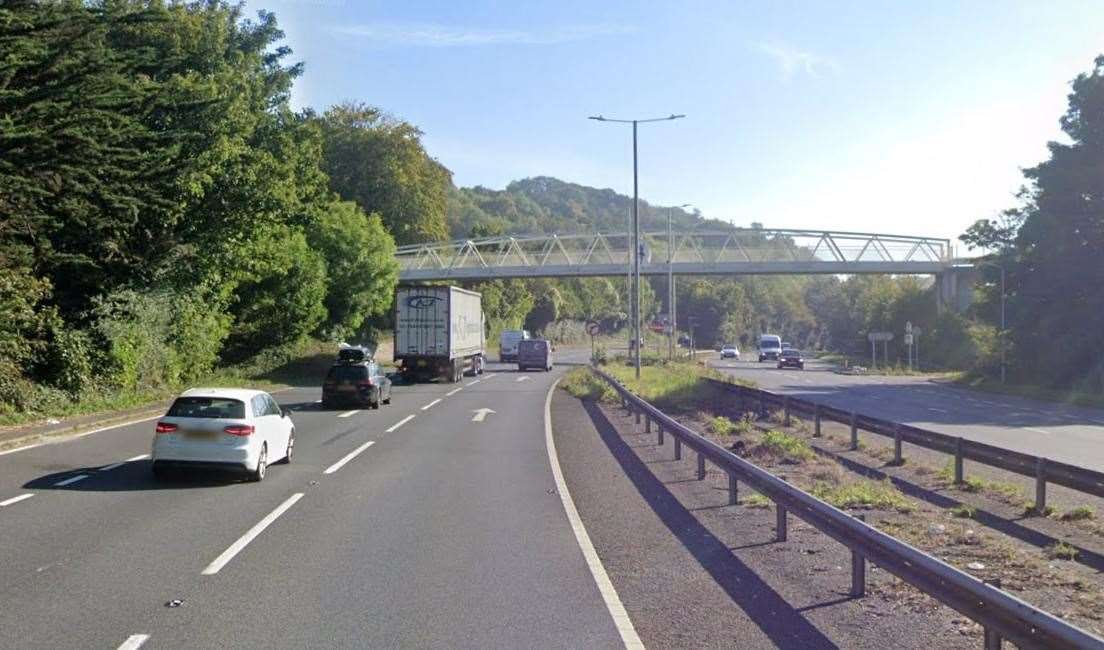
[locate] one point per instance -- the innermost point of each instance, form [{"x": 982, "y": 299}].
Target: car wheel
[
  {"x": 258, "y": 474},
  {"x": 388, "y": 400},
  {"x": 290, "y": 449}
]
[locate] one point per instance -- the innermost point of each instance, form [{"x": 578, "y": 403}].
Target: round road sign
[{"x": 593, "y": 328}]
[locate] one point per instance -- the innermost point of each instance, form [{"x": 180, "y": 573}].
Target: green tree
[{"x": 378, "y": 161}]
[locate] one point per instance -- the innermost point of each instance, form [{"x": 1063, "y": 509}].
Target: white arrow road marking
[
  {"x": 14, "y": 500},
  {"x": 134, "y": 641},
  {"x": 244, "y": 540},
  {"x": 522, "y": 378},
  {"x": 481, "y": 414}
]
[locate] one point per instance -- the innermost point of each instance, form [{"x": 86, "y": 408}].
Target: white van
[
  {"x": 508, "y": 344},
  {"x": 770, "y": 347}
]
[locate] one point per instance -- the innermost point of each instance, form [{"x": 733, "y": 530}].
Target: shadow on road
[
  {"x": 779, "y": 620},
  {"x": 134, "y": 476}
]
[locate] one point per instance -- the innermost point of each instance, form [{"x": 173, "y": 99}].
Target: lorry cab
[
  {"x": 770, "y": 347},
  {"x": 534, "y": 353}
]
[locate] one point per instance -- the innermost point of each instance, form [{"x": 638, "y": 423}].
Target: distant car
[
  {"x": 508, "y": 344},
  {"x": 786, "y": 345},
  {"x": 223, "y": 428},
  {"x": 791, "y": 358},
  {"x": 534, "y": 353},
  {"x": 356, "y": 382},
  {"x": 730, "y": 352},
  {"x": 770, "y": 347}
]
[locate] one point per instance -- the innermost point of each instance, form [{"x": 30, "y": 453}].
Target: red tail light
[
  {"x": 240, "y": 430},
  {"x": 166, "y": 427}
]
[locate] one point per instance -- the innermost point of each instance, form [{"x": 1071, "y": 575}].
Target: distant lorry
[{"x": 439, "y": 333}]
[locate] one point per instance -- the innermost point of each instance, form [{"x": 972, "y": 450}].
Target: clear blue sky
[{"x": 894, "y": 117}]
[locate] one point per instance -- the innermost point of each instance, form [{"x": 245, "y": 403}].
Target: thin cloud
[
  {"x": 433, "y": 35},
  {"x": 792, "y": 61}
]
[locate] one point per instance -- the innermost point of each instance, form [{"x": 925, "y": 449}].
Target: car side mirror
[{"x": 284, "y": 411}]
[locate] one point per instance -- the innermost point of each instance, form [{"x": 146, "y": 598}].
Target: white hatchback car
[{"x": 223, "y": 428}]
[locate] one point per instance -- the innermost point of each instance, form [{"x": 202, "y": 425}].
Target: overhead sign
[
  {"x": 879, "y": 336},
  {"x": 592, "y": 328}
]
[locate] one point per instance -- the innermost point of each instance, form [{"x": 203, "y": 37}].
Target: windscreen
[
  {"x": 347, "y": 373},
  {"x": 207, "y": 407}
]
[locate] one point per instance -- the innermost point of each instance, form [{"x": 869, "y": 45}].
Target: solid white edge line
[
  {"x": 431, "y": 404},
  {"x": 400, "y": 423},
  {"x": 15, "y": 500},
  {"x": 349, "y": 413},
  {"x": 235, "y": 548},
  {"x": 70, "y": 481},
  {"x": 351, "y": 455},
  {"x": 454, "y": 391},
  {"x": 65, "y": 438},
  {"x": 616, "y": 609},
  {"x": 134, "y": 641}
]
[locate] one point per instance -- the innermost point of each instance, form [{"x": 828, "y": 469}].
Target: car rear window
[
  {"x": 347, "y": 373},
  {"x": 530, "y": 345},
  {"x": 207, "y": 407}
]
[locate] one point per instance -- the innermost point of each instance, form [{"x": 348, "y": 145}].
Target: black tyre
[
  {"x": 257, "y": 475},
  {"x": 286, "y": 460}
]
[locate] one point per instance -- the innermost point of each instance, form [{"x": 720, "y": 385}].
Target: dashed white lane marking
[
  {"x": 454, "y": 391},
  {"x": 243, "y": 541},
  {"x": 431, "y": 404},
  {"x": 15, "y": 500},
  {"x": 523, "y": 378},
  {"x": 1043, "y": 431},
  {"x": 400, "y": 423},
  {"x": 935, "y": 410},
  {"x": 71, "y": 480},
  {"x": 317, "y": 401},
  {"x": 472, "y": 383},
  {"x": 134, "y": 641},
  {"x": 488, "y": 377},
  {"x": 348, "y": 457},
  {"x": 349, "y": 413},
  {"x": 616, "y": 609},
  {"x": 118, "y": 465}
]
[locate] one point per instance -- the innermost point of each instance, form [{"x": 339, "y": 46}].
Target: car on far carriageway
[
  {"x": 730, "y": 351},
  {"x": 791, "y": 358},
  {"x": 223, "y": 428}
]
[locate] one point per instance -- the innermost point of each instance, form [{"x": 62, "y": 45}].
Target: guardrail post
[
  {"x": 959, "y": 478},
  {"x": 854, "y": 431},
  {"x": 858, "y": 569},
  {"x": 816, "y": 419},
  {"x": 678, "y": 448},
  {"x": 660, "y": 435},
  {"x": 701, "y": 466},
  {"x": 733, "y": 493},
  {"x": 897, "y": 459},
  {"x": 1040, "y": 486},
  {"x": 780, "y": 523},
  {"x": 993, "y": 640},
  {"x": 762, "y": 405},
  {"x": 786, "y": 409},
  {"x": 636, "y": 412},
  {"x": 647, "y": 424}
]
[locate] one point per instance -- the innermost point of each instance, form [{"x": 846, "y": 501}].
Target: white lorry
[{"x": 439, "y": 332}]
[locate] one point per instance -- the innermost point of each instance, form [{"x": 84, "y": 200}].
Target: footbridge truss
[{"x": 737, "y": 251}]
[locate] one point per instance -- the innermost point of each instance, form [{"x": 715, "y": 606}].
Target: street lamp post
[
  {"x": 1002, "y": 326},
  {"x": 673, "y": 332},
  {"x": 636, "y": 233}
]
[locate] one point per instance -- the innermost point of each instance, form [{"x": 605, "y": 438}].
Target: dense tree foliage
[
  {"x": 161, "y": 207},
  {"x": 1050, "y": 247}
]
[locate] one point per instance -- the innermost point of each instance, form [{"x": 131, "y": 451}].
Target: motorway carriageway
[
  {"x": 419, "y": 524},
  {"x": 1056, "y": 431}
]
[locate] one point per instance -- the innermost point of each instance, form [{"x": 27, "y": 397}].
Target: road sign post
[
  {"x": 874, "y": 338},
  {"x": 592, "y": 328}
]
